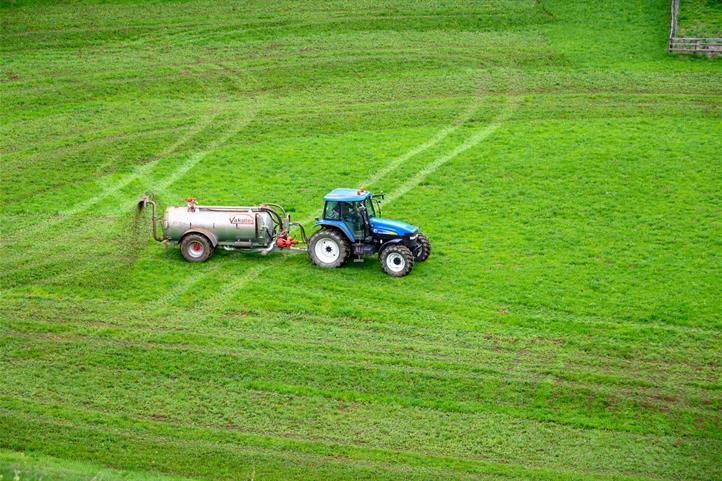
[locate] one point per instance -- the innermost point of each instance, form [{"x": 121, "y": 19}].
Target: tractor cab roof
[{"x": 347, "y": 195}]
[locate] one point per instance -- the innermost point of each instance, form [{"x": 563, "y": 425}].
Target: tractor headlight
[{"x": 413, "y": 237}]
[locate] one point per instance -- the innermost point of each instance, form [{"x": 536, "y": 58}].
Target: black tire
[
  {"x": 196, "y": 248},
  {"x": 396, "y": 260},
  {"x": 425, "y": 251},
  {"x": 328, "y": 248}
]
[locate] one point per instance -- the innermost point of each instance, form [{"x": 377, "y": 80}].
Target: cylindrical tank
[{"x": 246, "y": 227}]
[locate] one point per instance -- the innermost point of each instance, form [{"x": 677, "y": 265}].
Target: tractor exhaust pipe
[{"x": 143, "y": 203}]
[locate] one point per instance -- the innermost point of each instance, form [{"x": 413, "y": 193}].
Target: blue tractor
[{"x": 351, "y": 228}]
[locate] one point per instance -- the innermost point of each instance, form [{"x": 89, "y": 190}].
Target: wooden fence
[{"x": 708, "y": 45}]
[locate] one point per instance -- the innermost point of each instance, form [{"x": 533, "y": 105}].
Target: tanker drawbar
[{"x": 200, "y": 229}]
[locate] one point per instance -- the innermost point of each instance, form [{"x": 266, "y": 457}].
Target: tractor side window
[{"x": 335, "y": 210}]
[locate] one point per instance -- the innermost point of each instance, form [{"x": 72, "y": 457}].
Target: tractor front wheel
[
  {"x": 425, "y": 251},
  {"x": 328, "y": 248},
  {"x": 397, "y": 260}
]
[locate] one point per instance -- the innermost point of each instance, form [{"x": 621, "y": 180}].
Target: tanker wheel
[
  {"x": 196, "y": 248},
  {"x": 328, "y": 248},
  {"x": 425, "y": 250},
  {"x": 397, "y": 260}
]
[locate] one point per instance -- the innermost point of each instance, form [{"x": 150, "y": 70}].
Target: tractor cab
[
  {"x": 351, "y": 210},
  {"x": 351, "y": 226}
]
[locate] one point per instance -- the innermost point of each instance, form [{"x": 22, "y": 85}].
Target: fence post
[{"x": 673, "y": 28}]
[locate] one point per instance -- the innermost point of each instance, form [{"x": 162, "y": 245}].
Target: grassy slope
[
  {"x": 566, "y": 326},
  {"x": 35, "y": 467}
]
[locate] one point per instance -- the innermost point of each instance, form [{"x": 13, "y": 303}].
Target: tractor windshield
[{"x": 370, "y": 207}]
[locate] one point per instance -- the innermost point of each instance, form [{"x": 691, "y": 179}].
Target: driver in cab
[{"x": 346, "y": 212}]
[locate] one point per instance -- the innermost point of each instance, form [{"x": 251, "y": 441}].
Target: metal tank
[
  {"x": 226, "y": 226},
  {"x": 200, "y": 229}
]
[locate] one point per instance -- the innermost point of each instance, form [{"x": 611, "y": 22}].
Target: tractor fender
[
  {"x": 391, "y": 242},
  {"x": 200, "y": 230},
  {"x": 337, "y": 224}
]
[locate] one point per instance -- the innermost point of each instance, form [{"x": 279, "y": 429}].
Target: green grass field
[
  {"x": 566, "y": 168},
  {"x": 700, "y": 18}
]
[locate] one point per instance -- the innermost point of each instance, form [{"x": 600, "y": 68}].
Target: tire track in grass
[
  {"x": 503, "y": 349},
  {"x": 60, "y": 151},
  {"x": 166, "y": 181},
  {"x": 521, "y": 369},
  {"x": 107, "y": 192},
  {"x": 173, "y": 436},
  {"x": 220, "y": 299},
  {"x": 194, "y": 159},
  {"x": 272, "y": 352},
  {"x": 123, "y": 182},
  {"x": 162, "y": 186},
  {"x": 440, "y": 135},
  {"x": 472, "y": 141},
  {"x": 143, "y": 172},
  {"x": 163, "y": 303},
  {"x": 188, "y": 283},
  {"x": 241, "y": 122},
  {"x": 143, "y": 330}
]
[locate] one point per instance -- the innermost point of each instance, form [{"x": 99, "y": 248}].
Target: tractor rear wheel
[
  {"x": 329, "y": 248},
  {"x": 425, "y": 250},
  {"x": 397, "y": 260},
  {"x": 196, "y": 248}
]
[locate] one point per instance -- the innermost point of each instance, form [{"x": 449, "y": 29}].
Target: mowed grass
[{"x": 567, "y": 170}]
